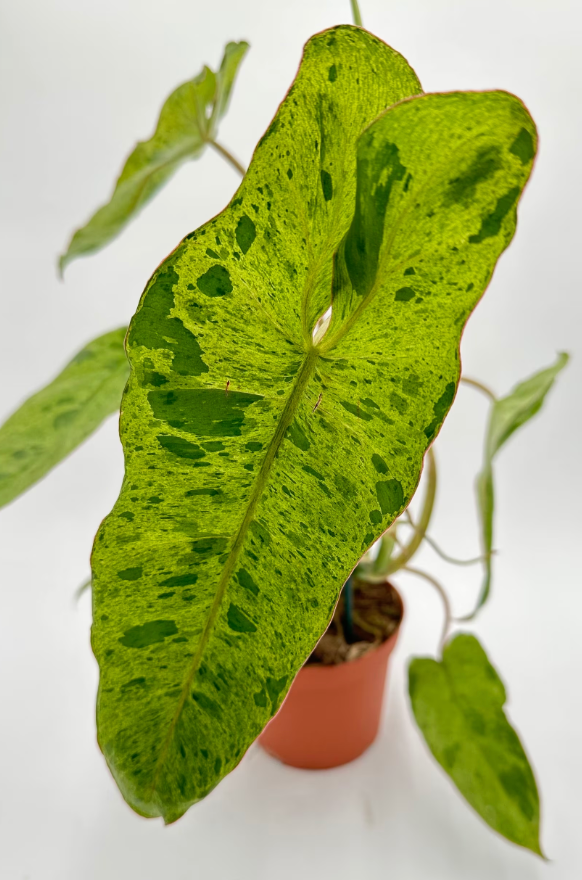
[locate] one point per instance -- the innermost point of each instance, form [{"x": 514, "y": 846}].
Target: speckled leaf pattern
[
  {"x": 458, "y": 705},
  {"x": 507, "y": 415},
  {"x": 188, "y": 120},
  {"x": 259, "y": 466},
  {"x": 55, "y": 420}
]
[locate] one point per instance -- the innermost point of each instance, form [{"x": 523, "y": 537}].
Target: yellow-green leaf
[
  {"x": 259, "y": 464},
  {"x": 458, "y": 705},
  {"x": 188, "y": 122},
  {"x": 55, "y": 420}
]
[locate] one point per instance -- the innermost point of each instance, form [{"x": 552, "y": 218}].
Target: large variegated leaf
[
  {"x": 56, "y": 419},
  {"x": 259, "y": 465},
  {"x": 188, "y": 122},
  {"x": 458, "y": 705},
  {"x": 507, "y": 415}
]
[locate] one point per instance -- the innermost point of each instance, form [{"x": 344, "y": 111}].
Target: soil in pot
[
  {"x": 376, "y": 615},
  {"x": 332, "y": 712}
]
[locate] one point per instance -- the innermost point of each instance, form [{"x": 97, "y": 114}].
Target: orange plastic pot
[{"x": 332, "y": 713}]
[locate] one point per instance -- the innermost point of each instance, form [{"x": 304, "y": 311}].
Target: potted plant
[{"x": 290, "y": 366}]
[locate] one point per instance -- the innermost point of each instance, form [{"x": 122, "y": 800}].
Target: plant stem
[
  {"x": 229, "y": 157},
  {"x": 420, "y": 530},
  {"x": 452, "y": 559},
  {"x": 356, "y": 13},
  {"x": 348, "y": 592},
  {"x": 480, "y": 387},
  {"x": 445, "y": 600}
]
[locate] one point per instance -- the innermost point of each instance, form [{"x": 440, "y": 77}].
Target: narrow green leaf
[
  {"x": 187, "y": 122},
  {"x": 55, "y": 420},
  {"x": 458, "y": 705},
  {"x": 506, "y": 416},
  {"x": 260, "y": 466}
]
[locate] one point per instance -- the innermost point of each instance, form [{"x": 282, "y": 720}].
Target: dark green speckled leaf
[
  {"x": 458, "y": 705},
  {"x": 259, "y": 467},
  {"x": 187, "y": 122},
  {"x": 55, "y": 420}
]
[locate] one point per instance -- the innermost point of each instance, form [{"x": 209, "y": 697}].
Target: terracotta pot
[{"x": 332, "y": 713}]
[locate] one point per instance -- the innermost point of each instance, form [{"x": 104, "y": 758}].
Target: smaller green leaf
[
  {"x": 55, "y": 420},
  {"x": 188, "y": 121},
  {"x": 458, "y": 705},
  {"x": 507, "y": 415}
]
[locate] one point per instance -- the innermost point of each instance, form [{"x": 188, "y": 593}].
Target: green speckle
[
  {"x": 245, "y": 233},
  {"x": 238, "y": 621},
  {"x": 313, "y": 472},
  {"x": 379, "y": 464},
  {"x": 180, "y": 580},
  {"x": 253, "y": 446},
  {"x": 246, "y": 581},
  {"x": 130, "y": 574},
  {"x": 207, "y": 704},
  {"x": 332, "y": 73},
  {"x": 180, "y": 447},
  {"x": 405, "y": 294},
  {"x": 491, "y": 224},
  {"x": 207, "y": 412},
  {"x": 260, "y": 699},
  {"x": 326, "y": 185},
  {"x": 356, "y": 411},
  {"x": 289, "y": 173},
  {"x": 523, "y": 147},
  {"x": 440, "y": 410},
  {"x": 390, "y": 496},
  {"x": 134, "y": 683},
  {"x": 375, "y": 517},
  {"x": 215, "y": 282},
  {"x": 209, "y": 253},
  {"x": 147, "y": 634},
  {"x": 462, "y": 188},
  {"x": 296, "y": 435}
]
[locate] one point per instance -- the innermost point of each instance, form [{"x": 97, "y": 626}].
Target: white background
[{"x": 80, "y": 82}]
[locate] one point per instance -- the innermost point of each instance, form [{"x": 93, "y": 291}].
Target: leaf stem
[
  {"x": 356, "y": 13},
  {"x": 229, "y": 157},
  {"x": 480, "y": 387},
  {"x": 445, "y": 600},
  {"x": 426, "y": 513}
]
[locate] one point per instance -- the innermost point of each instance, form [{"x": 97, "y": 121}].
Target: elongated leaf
[
  {"x": 458, "y": 705},
  {"x": 259, "y": 466},
  {"x": 56, "y": 419},
  {"x": 188, "y": 121},
  {"x": 507, "y": 415}
]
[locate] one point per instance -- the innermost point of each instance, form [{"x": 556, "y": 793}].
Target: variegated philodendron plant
[{"x": 288, "y": 368}]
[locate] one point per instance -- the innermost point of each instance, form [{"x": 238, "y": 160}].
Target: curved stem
[
  {"x": 451, "y": 559},
  {"x": 445, "y": 600},
  {"x": 480, "y": 387},
  {"x": 229, "y": 157},
  {"x": 80, "y": 590},
  {"x": 426, "y": 513},
  {"x": 356, "y": 13}
]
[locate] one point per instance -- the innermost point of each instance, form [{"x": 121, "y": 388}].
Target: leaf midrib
[{"x": 305, "y": 373}]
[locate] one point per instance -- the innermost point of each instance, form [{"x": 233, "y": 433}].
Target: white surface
[{"x": 81, "y": 80}]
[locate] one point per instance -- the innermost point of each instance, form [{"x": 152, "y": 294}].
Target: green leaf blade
[
  {"x": 183, "y": 129},
  {"x": 259, "y": 467},
  {"x": 458, "y": 705},
  {"x": 507, "y": 415},
  {"x": 55, "y": 420}
]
